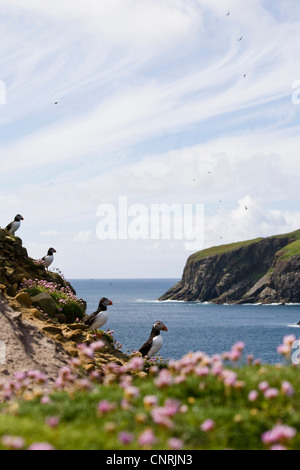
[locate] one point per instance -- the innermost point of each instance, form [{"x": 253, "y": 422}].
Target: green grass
[
  {"x": 66, "y": 301},
  {"x": 238, "y": 422},
  {"x": 218, "y": 250},
  {"x": 292, "y": 249}
]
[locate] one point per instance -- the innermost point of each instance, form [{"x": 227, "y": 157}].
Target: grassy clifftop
[
  {"x": 262, "y": 270},
  {"x": 291, "y": 249}
]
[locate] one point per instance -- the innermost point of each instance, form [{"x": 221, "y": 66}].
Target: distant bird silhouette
[
  {"x": 246, "y": 208},
  {"x": 245, "y": 75},
  {"x": 241, "y": 38},
  {"x": 228, "y": 13},
  {"x": 55, "y": 102},
  {"x": 15, "y": 225},
  {"x": 48, "y": 259}
]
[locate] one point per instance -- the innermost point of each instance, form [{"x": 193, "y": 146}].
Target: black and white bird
[
  {"x": 100, "y": 316},
  {"x": 48, "y": 259},
  {"x": 15, "y": 225},
  {"x": 155, "y": 340}
]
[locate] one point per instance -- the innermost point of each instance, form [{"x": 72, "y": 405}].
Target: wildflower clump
[
  {"x": 197, "y": 402},
  {"x": 66, "y": 301}
]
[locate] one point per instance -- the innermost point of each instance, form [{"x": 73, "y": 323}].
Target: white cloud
[
  {"x": 83, "y": 237},
  {"x": 152, "y": 104},
  {"x": 49, "y": 233}
]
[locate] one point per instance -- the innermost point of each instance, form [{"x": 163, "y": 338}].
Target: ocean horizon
[{"x": 192, "y": 326}]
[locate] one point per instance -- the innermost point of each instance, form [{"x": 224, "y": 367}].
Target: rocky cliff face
[
  {"x": 16, "y": 266},
  {"x": 31, "y": 339},
  {"x": 250, "y": 272}
]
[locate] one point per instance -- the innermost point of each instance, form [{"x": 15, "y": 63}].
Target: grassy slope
[
  {"x": 239, "y": 423},
  {"x": 290, "y": 250}
]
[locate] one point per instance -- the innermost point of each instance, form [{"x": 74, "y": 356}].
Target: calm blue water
[{"x": 192, "y": 326}]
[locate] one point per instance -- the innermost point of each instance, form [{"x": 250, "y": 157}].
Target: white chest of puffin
[
  {"x": 155, "y": 340},
  {"x": 100, "y": 316},
  {"x": 48, "y": 259},
  {"x": 15, "y": 225}
]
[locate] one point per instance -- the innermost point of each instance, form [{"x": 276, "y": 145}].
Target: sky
[{"x": 170, "y": 103}]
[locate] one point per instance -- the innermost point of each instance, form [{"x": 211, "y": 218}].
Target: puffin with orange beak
[
  {"x": 100, "y": 316},
  {"x": 155, "y": 340},
  {"x": 15, "y": 225},
  {"x": 48, "y": 259}
]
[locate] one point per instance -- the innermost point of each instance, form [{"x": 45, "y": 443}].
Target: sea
[{"x": 192, "y": 326}]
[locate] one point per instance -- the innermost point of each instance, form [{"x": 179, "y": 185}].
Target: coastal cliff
[
  {"x": 37, "y": 333},
  {"x": 264, "y": 270}
]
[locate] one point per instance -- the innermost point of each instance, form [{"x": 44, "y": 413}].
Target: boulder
[
  {"x": 45, "y": 302},
  {"x": 24, "y": 299}
]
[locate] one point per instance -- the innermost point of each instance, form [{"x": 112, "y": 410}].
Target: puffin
[
  {"x": 15, "y": 225},
  {"x": 99, "y": 317},
  {"x": 48, "y": 259},
  {"x": 155, "y": 340}
]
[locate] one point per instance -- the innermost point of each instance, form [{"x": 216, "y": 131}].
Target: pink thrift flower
[
  {"x": 217, "y": 369},
  {"x": 125, "y": 404},
  {"x": 229, "y": 377},
  {"x": 280, "y": 433},
  {"x": 250, "y": 358},
  {"x": 45, "y": 400},
  {"x": 287, "y": 389},
  {"x": 150, "y": 400},
  {"x": 171, "y": 407},
  {"x": 283, "y": 349},
  {"x": 253, "y": 395},
  {"x": 278, "y": 447},
  {"x": 160, "y": 417},
  {"x": 147, "y": 438},
  {"x": 263, "y": 386},
  {"x": 125, "y": 437},
  {"x": 208, "y": 425},
  {"x": 175, "y": 444},
  {"x": 240, "y": 346},
  {"x": 201, "y": 371},
  {"x": 52, "y": 421},
  {"x": 136, "y": 363},
  {"x": 289, "y": 339},
  {"x": 13, "y": 442},
  {"x": 96, "y": 345},
  {"x": 164, "y": 379},
  {"x": 41, "y": 446},
  {"x": 271, "y": 393},
  {"x": 105, "y": 406},
  {"x": 235, "y": 354},
  {"x": 131, "y": 392}
]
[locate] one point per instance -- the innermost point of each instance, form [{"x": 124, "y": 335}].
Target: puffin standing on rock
[
  {"x": 15, "y": 225},
  {"x": 155, "y": 341},
  {"x": 99, "y": 317},
  {"x": 48, "y": 259}
]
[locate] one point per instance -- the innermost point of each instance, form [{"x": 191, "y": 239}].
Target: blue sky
[{"x": 153, "y": 105}]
